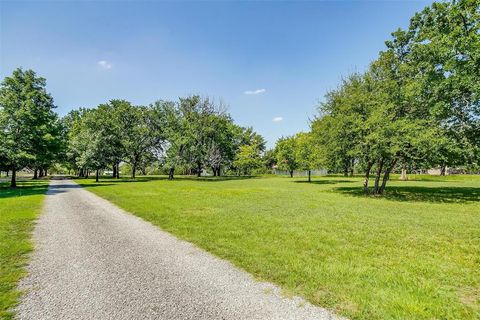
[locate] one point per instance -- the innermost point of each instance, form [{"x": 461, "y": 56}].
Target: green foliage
[
  {"x": 269, "y": 160},
  {"x": 248, "y": 158},
  {"x": 417, "y": 106},
  {"x": 193, "y": 134},
  {"x": 29, "y": 129},
  {"x": 309, "y": 157},
  {"x": 285, "y": 149}
]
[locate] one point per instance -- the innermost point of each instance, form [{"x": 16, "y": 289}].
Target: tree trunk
[
  {"x": 46, "y": 172},
  {"x": 345, "y": 171},
  {"x": 134, "y": 168},
  {"x": 114, "y": 170},
  {"x": 309, "y": 175},
  {"x": 7, "y": 173},
  {"x": 13, "y": 182},
  {"x": 170, "y": 173},
  {"x": 404, "y": 176},
  {"x": 40, "y": 173},
  {"x": 35, "y": 174},
  {"x": 377, "y": 177},
  {"x": 386, "y": 177},
  {"x": 351, "y": 167},
  {"x": 367, "y": 176},
  {"x": 291, "y": 173},
  {"x": 96, "y": 176},
  {"x": 443, "y": 169},
  {"x": 118, "y": 169},
  {"x": 199, "y": 171}
]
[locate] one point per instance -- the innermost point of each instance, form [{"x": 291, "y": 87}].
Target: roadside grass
[
  {"x": 18, "y": 209},
  {"x": 413, "y": 254}
]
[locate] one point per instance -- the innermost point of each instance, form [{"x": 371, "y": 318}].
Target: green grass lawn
[
  {"x": 414, "y": 254},
  {"x": 18, "y": 209}
]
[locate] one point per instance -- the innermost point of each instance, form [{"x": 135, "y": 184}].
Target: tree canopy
[{"x": 29, "y": 127}]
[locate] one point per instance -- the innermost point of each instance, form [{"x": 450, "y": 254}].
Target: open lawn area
[
  {"x": 18, "y": 209},
  {"x": 413, "y": 254}
]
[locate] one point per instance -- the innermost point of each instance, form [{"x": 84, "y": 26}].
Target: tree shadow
[
  {"x": 323, "y": 181},
  {"x": 421, "y": 194},
  {"x": 216, "y": 179},
  {"x": 104, "y": 180},
  {"x": 29, "y": 188}
]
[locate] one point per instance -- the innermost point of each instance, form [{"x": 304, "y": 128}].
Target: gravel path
[{"x": 94, "y": 261}]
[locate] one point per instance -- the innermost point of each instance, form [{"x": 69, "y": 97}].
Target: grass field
[
  {"x": 18, "y": 209},
  {"x": 414, "y": 254}
]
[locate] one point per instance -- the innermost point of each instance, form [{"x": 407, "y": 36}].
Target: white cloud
[
  {"x": 277, "y": 119},
  {"x": 104, "y": 64},
  {"x": 258, "y": 91}
]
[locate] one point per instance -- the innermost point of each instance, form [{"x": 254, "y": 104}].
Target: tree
[
  {"x": 209, "y": 136},
  {"x": 341, "y": 123},
  {"x": 27, "y": 122},
  {"x": 444, "y": 50},
  {"x": 142, "y": 135},
  {"x": 269, "y": 159},
  {"x": 286, "y": 155},
  {"x": 90, "y": 142},
  {"x": 174, "y": 145},
  {"x": 306, "y": 153},
  {"x": 248, "y": 158}
]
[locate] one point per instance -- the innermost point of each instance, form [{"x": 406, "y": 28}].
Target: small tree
[
  {"x": 285, "y": 150},
  {"x": 306, "y": 153}
]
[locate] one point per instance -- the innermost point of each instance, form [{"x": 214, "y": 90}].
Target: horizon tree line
[{"x": 416, "y": 106}]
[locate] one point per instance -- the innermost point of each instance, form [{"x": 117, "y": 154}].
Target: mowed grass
[
  {"x": 18, "y": 209},
  {"x": 414, "y": 254}
]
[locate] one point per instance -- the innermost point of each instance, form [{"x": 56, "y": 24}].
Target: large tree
[{"x": 28, "y": 124}]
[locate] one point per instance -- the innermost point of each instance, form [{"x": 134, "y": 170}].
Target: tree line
[
  {"x": 193, "y": 133},
  {"x": 417, "y": 105}
]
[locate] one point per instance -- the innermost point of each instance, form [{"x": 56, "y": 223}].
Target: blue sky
[{"x": 270, "y": 62}]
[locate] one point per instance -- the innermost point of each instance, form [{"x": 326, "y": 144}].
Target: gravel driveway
[{"x": 92, "y": 260}]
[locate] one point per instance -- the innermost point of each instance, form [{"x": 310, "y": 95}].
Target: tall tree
[
  {"x": 141, "y": 136},
  {"x": 27, "y": 121}
]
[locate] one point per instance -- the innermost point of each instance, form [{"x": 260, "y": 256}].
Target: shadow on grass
[
  {"x": 32, "y": 187},
  {"x": 104, "y": 180},
  {"x": 24, "y": 188},
  {"x": 323, "y": 181},
  {"x": 421, "y": 194}
]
